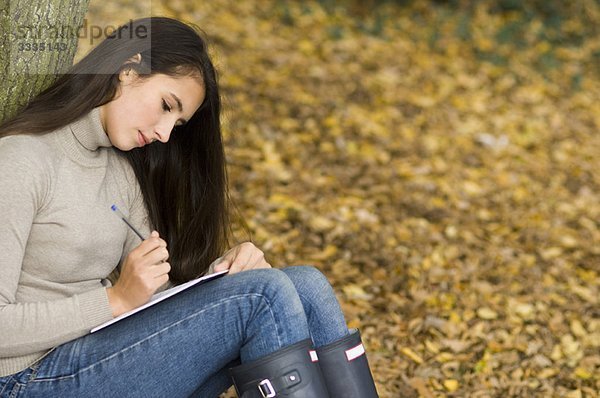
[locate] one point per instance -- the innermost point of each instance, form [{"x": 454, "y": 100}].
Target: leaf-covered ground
[{"x": 439, "y": 163}]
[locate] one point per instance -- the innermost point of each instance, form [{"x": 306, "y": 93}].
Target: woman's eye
[{"x": 166, "y": 106}]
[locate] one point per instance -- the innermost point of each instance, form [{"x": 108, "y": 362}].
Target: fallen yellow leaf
[
  {"x": 411, "y": 354},
  {"x": 451, "y": 385},
  {"x": 487, "y": 313}
]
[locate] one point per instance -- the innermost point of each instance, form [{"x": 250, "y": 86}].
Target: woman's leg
[
  {"x": 172, "y": 348},
  {"x": 341, "y": 354},
  {"x": 326, "y": 321},
  {"x": 216, "y": 383}
]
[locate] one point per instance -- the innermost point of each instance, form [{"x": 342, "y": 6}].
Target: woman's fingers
[
  {"x": 159, "y": 270},
  {"x": 223, "y": 264},
  {"x": 238, "y": 261},
  {"x": 242, "y": 257},
  {"x": 153, "y": 242},
  {"x": 160, "y": 254},
  {"x": 249, "y": 257},
  {"x": 154, "y": 250}
]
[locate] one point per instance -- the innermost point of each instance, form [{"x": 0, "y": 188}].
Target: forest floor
[{"x": 438, "y": 163}]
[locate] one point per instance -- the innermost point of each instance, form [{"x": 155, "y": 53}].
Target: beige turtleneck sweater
[{"x": 59, "y": 238}]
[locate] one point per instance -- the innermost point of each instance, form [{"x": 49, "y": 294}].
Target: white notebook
[{"x": 158, "y": 297}]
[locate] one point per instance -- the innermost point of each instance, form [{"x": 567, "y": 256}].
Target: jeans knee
[
  {"x": 260, "y": 311},
  {"x": 309, "y": 281},
  {"x": 275, "y": 286}
]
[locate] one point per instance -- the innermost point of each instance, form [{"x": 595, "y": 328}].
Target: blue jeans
[{"x": 183, "y": 346}]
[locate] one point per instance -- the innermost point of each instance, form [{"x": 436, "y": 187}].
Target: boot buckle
[{"x": 266, "y": 388}]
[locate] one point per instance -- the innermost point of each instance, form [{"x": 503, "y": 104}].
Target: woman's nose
[
  {"x": 162, "y": 137},
  {"x": 163, "y": 131}
]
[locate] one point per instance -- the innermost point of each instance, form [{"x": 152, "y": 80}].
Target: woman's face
[{"x": 146, "y": 110}]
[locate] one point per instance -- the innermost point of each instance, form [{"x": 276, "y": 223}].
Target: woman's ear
[
  {"x": 128, "y": 73},
  {"x": 136, "y": 59}
]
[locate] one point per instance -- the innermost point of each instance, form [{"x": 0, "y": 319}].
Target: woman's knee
[
  {"x": 273, "y": 306},
  {"x": 309, "y": 281},
  {"x": 266, "y": 279},
  {"x": 272, "y": 284}
]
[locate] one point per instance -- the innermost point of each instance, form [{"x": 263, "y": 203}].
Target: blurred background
[{"x": 437, "y": 160}]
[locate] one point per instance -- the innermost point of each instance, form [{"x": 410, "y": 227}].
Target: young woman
[{"x": 136, "y": 124}]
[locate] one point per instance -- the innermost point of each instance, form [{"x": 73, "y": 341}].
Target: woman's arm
[{"x": 34, "y": 326}]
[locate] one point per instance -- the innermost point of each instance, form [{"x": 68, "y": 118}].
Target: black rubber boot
[
  {"x": 345, "y": 367},
  {"x": 291, "y": 372}
]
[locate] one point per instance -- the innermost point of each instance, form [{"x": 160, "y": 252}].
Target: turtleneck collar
[
  {"x": 84, "y": 139},
  {"x": 89, "y": 132}
]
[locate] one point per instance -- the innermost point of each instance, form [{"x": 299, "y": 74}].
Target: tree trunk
[{"x": 38, "y": 40}]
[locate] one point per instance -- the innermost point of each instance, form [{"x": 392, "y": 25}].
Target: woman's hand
[
  {"x": 145, "y": 270},
  {"x": 242, "y": 257}
]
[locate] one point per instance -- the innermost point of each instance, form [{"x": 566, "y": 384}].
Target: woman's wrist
[{"x": 116, "y": 303}]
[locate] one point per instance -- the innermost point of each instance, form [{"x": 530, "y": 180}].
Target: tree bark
[{"x": 38, "y": 40}]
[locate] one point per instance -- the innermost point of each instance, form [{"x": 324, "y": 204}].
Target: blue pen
[{"x": 116, "y": 210}]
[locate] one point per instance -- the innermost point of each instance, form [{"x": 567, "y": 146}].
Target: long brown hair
[{"x": 184, "y": 182}]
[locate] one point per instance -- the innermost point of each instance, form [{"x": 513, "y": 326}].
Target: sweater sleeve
[{"x": 30, "y": 327}]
